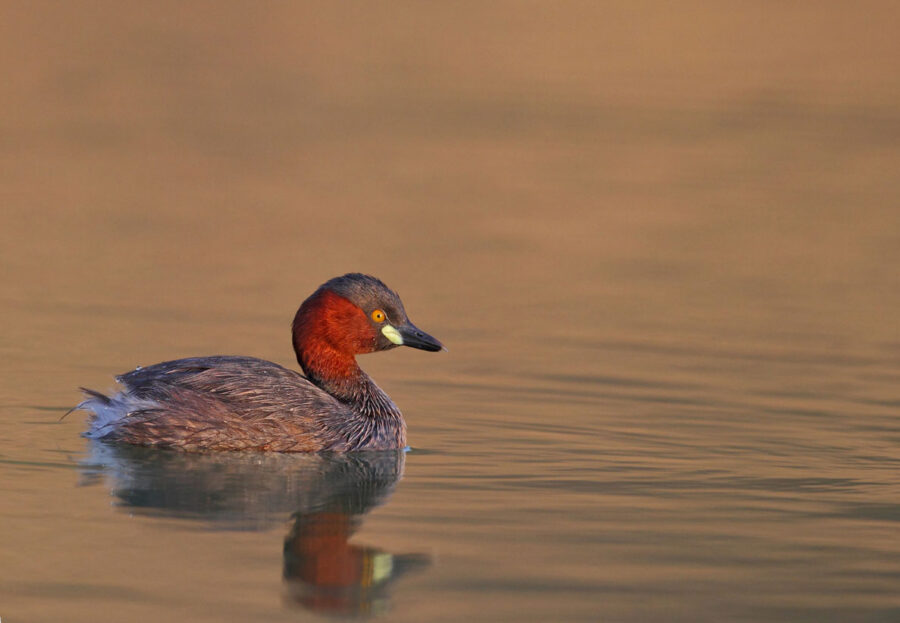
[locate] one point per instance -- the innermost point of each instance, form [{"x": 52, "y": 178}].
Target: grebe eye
[{"x": 378, "y": 315}]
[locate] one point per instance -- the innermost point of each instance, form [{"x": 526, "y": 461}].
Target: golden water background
[{"x": 661, "y": 241}]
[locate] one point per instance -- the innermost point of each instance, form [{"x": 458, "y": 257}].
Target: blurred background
[{"x": 661, "y": 242}]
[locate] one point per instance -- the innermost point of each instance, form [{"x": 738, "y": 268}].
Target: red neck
[{"x": 329, "y": 331}]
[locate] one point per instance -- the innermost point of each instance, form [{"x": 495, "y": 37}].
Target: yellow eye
[{"x": 378, "y": 315}]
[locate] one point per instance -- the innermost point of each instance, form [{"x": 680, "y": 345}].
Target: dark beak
[{"x": 415, "y": 337}]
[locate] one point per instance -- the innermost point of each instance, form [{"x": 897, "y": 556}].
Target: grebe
[{"x": 244, "y": 403}]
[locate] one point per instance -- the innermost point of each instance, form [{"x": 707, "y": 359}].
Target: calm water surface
[{"x": 661, "y": 244}]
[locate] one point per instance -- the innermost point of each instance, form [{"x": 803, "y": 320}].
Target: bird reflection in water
[{"x": 325, "y": 494}]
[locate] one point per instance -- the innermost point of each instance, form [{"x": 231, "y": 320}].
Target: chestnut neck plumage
[
  {"x": 328, "y": 332},
  {"x": 345, "y": 380}
]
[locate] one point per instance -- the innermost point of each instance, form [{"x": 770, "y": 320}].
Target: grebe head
[{"x": 352, "y": 315}]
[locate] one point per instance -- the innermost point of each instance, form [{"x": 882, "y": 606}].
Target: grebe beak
[{"x": 410, "y": 335}]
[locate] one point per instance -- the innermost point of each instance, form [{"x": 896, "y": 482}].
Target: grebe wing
[
  {"x": 251, "y": 388},
  {"x": 224, "y": 403}
]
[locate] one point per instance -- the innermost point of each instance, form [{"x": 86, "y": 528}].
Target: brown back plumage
[{"x": 239, "y": 403}]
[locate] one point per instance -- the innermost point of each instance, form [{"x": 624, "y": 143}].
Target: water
[{"x": 660, "y": 243}]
